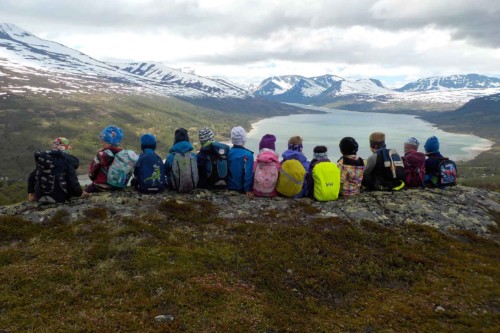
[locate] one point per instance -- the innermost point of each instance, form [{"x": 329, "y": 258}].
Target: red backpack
[{"x": 414, "y": 164}]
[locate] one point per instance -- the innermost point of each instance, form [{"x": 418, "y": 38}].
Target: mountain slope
[
  {"x": 480, "y": 115},
  {"x": 22, "y": 52},
  {"x": 468, "y": 81}
]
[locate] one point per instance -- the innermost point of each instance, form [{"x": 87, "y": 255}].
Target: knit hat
[
  {"x": 181, "y": 134},
  {"x": 348, "y": 146},
  {"x": 295, "y": 143},
  {"x": 267, "y": 141},
  {"x": 148, "y": 141},
  {"x": 111, "y": 135},
  {"x": 411, "y": 144},
  {"x": 238, "y": 136},
  {"x": 205, "y": 134},
  {"x": 61, "y": 144},
  {"x": 432, "y": 145},
  {"x": 377, "y": 140},
  {"x": 319, "y": 153}
]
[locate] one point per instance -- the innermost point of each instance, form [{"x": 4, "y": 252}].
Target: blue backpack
[{"x": 150, "y": 172}]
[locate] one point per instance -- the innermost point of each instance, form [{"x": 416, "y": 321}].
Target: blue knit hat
[
  {"x": 111, "y": 135},
  {"x": 148, "y": 141},
  {"x": 432, "y": 145}
]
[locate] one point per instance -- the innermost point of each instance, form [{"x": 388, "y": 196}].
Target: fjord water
[{"x": 329, "y": 128}]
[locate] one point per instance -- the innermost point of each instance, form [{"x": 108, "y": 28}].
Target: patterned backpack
[
  {"x": 150, "y": 172},
  {"x": 184, "y": 172},
  {"x": 447, "y": 173},
  {"x": 121, "y": 168},
  {"x": 266, "y": 174},
  {"x": 50, "y": 178}
]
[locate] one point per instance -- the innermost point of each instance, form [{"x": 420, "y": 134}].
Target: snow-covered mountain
[
  {"x": 451, "y": 90},
  {"x": 297, "y": 89},
  {"x": 23, "y": 55},
  {"x": 468, "y": 81}
]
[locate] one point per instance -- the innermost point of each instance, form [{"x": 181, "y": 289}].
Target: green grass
[{"x": 104, "y": 273}]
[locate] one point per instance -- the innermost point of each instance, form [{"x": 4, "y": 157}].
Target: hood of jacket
[
  {"x": 72, "y": 160},
  {"x": 294, "y": 155},
  {"x": 267, "y": 155},
  {"x": 181, "y": 147}
]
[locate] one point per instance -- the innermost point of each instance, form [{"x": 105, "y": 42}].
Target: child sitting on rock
[
  {"x": 149, "y": 172},
  {"x": 110, "y": 138},
  {"x": 266, "y": 168},
  {"x": 351, "y": 167},
  {"x": 439, "y": 170},
  {"x": 323, "y": 178},
  {"x": 240, "y": 162},
  {"x": 414, "y": 163},
  {"x": 54, "y": 178},
  {"x": 293, "y": 153},
  {"x": 181, "y": 168}
]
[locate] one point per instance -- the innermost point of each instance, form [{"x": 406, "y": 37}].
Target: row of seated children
[{"x": 234, "y": 168}]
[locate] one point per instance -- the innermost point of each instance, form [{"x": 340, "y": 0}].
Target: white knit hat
[{"x": 238, "y": 136}]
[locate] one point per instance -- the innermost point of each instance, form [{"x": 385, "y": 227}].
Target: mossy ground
[{"x": 104, "y": 273}]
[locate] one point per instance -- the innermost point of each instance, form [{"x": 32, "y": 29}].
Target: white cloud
[{"x": 251, "y": 40}]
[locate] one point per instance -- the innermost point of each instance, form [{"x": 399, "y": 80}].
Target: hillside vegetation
[{"x": 182, "y": 267}]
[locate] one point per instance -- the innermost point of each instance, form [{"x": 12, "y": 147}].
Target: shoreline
[{"x": 473, "y": 151}]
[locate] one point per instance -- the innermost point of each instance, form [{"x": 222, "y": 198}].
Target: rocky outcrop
[{"x": 458, "y": 207}]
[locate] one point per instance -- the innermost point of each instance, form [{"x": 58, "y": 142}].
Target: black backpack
[
  {"x": 216, "y": 163},
  {"x": 392, "y": 171},
  {"x": 50, "y": 176}
]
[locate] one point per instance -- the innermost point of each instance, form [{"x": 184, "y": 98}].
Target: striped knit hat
[{"x": 205, "y": 134}]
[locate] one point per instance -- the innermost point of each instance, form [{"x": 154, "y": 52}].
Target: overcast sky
[{"x": 395, "y": 41}]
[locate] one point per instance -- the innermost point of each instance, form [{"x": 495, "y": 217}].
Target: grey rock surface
[{"x": 457, "y": 207}]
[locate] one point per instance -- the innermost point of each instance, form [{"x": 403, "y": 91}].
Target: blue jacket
[
  {"x": 240, "y": 163},
  {"x": 179, "y": 147},
  {"x": 297, "y": 155},
  {"x": 432, "y": 167}
]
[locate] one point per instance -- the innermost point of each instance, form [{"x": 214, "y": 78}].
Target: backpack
[
  {"x": 265, "y": 177},
  {"x": 184, "y": 172},
  {"x": 216, "y": 163},
  {"x": 414, "y": 164},
  {"x": 121, "y": 168},
  {"x": 326, "y": 177},
  {"x": 393, "y": 173},
  {"x": 291, "y": 178},
  {"x": 50, "y": 178},
  {"x": 150, "y": 173},
  {"x": 447, "y": 173}
]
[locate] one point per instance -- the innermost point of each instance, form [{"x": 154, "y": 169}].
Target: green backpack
[{"x": 326, "y": 176}]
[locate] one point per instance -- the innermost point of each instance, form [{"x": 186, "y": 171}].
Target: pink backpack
[{"x": 266, "y": 171}]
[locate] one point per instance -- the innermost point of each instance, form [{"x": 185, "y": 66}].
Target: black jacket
[{"x": 60, "y": 183}]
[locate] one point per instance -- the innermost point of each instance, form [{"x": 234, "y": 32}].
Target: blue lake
[{"x": 329, "y": 128}]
